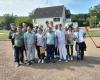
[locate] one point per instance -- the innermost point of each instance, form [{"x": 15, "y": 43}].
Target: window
[{"x": 56, "y": 19}]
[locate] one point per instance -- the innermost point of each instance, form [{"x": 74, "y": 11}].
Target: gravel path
[{"x": 89, "y": 69}]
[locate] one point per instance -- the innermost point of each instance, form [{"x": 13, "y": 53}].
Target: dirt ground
[{"x": 89, "y": 69}]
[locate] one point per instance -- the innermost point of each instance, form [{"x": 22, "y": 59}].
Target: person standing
[
  {"x": 29, "y": 40},
  {"x": 11, "y": 32},
  {"x": 24, "y": 30},
  {"x": 80, "y": 43},
  {"x": 40, "y": 45},
  {"x": 50, "y": 45},
  {"x": 61, "y": 43},
  {"x": 18, "y": 45},
  {"x": 70, "y": 42}
]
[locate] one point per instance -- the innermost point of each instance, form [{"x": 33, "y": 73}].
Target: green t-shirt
[
  {"x": 18, "y": 39},
  {"x": 50, "y": 38}
]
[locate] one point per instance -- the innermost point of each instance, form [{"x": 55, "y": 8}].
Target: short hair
[
  {"x": 12, "y": 24},
  {"x": 46, "y": 22},
  {"x": 29, "y": 27},
  {"x": 60, "y": 25}
]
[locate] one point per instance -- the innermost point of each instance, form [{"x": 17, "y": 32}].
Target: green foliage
[
  {"x": 67, "y": 13},
  {"x": 7, "y": 19},
  {"x": 20, "y": 20},
  {"x": 94, "y": 13},
  {"x": 82, "y": 19}
]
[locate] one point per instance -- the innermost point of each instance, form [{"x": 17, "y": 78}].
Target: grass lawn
[
  {"x": 94, "y": 33},
  {"x": 4, "y": 35}
]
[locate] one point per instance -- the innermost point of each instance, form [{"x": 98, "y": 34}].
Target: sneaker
[
  {"x": 39, "y": 61},
  {"x": 71, "y": 58},
  {"x": 22, "y": 62},
  {"x": 68, "y": 58},
  {"x": 29, "y": 63},
  {"x": 17, "y": 64},
  {"x": 32, "y": 61},
  {"x": 42, "y": 61},
  {"x": 66, "y": 61},
  {"x": 59, "y": 59}
]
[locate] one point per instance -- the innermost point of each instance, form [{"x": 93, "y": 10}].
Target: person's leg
[
  {"x": 68, "y": 52},
  {"x": 82, "y": 50},
  {"x": 71, "y": 47},
  {"x": 32, "y": 54},
  {"x": 43, "y": 55},
  {"x": 38, "y": 51},
  {"x": 77, "y": 50},
  {"x": 48, "y": 53},
  {"x": 55, "y": 52},
  {"x": 21, "y": 54},
  {"x": 25, "y": 52},
  {"x": 64, "y": 52},
  {"x": 17, "y": 55},
  {"x": 28, "y": 53},
  {"x": 60, "y": 52},
  {"x": 52, "y": 53}
]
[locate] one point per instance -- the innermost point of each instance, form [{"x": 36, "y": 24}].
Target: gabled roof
[{"x": 48, "y": 12}]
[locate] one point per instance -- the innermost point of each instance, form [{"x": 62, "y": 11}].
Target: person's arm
[
  {"x": 13, "y": 38},
  {"x": 35, "y": 40},
  {"x": 25, "y": 40},
  {"x": 45, "y": 40},
  {"x": 56, "y": 40},
  {"x": 9, "y": 35},
  {"x": 84, "y": 35}
]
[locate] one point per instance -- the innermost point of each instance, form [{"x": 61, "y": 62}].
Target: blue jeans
[{"x": 50, "y": 52}]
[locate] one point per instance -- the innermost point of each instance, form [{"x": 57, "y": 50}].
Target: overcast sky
[{"x": 23, "y": 7}]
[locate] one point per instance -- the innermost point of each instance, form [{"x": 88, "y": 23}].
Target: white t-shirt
[
  {"x": 40, "y": 39},
  {"x": 79, "y": 36}
]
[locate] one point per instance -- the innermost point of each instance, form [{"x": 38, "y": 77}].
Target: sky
[{"x": 24, "y": 7}]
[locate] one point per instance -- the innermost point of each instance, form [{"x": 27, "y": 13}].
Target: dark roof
[{"x": 46, "y": 12}]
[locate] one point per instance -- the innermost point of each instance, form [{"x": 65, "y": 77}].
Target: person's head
[
  {"x": 39, "y": 30},
  {"x": 70, "y": 28},
  {"x": 49, "y": 29},
  {"x": 51, "y": 23},
  {"x": 66, "y": 28},
  {"x": 47, "y": 23},
  {"x": 29, "y": 29},
  {"x": 19, "y": 30},
  {"x": 60, "y": 26},
  {"x": 24, "y": 24},
  {"x": 13, "y": 26},
  {"x": 56, "y": 27}
]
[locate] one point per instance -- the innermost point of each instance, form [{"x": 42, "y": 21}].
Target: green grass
[
  {"x": 94, "y": 33},
  {"x": 4, "y": 35}
]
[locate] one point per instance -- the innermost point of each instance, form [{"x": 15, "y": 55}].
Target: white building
[{"x": 54, "y": 13}]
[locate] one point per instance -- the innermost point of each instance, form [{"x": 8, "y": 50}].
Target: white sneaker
[
  {"x": 71, "y": 58},
  {"x": 39, "y": 61},
  {"x": 68, "y": 58},
  {"x": 66, "y": 61},
  {"x": 17, "y": 64},
  {"x": 42, "y": 61},
  {"x": 59, "y": 59}
]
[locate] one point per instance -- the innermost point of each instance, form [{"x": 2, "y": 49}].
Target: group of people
[{"x": 51, "y": 43}]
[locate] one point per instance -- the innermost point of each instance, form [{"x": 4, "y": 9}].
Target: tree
[
  {"x": 7, "y": 19},
  {"x": 82, "y": 19},
  {"x": 94, "y": 13},
  {"x": 20, "y": 20},
  {"x": 67, "y": 13}
]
